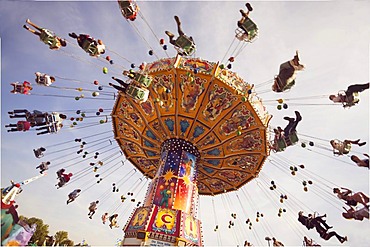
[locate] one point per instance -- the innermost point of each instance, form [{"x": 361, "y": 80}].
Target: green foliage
[
  {"x": 68, "y": 242},
  {"x": 61, "y": 237},
  {"x": 42, "y": 231}
]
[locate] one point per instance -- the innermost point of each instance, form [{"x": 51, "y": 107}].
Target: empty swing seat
[
  {"x": 140, "y": 94},
  {"x": 144, "y": 80}
]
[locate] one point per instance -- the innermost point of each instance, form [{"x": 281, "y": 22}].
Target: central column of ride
[{"x": 168, "y": 214}]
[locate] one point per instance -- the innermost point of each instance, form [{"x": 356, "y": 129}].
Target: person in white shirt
[{"x": 44, "y": 79}]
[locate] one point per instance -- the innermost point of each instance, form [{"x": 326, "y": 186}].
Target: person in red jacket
[
  {"x": 19, "y": 126},
  {"x": 63, "y": 177},
  {"x": 23, "y": 88}
]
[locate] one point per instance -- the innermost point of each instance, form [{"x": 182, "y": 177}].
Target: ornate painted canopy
[{"x": 199, "y": 102}]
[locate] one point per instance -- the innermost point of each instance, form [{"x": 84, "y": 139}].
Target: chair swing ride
[{"x": 192, "y": 126}]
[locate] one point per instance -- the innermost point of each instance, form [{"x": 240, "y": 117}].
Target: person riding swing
[
  {"x": 184, "y": 44},
  {"x": 247, "y": 29},
  {"x": 287, "y": 74}
]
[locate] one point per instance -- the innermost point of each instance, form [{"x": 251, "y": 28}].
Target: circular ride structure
[
  {"x": 196, "y": 128},
  {"x": 209, "y": 110},
  {"x": 202, "y": 130}
]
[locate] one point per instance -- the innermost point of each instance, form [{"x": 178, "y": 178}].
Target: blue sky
[{"x": 333, "y": 40}]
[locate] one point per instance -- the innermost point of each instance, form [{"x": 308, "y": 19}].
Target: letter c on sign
[{"x": 163, "y": 218}]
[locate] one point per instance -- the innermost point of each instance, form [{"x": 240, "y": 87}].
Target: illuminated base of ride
[
  {"x": 167, "y": 217},
  {"x": 158, "y": 226}
]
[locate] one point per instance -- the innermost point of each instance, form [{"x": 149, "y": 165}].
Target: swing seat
[
  {"x": 241, "y": 35},
  {"x": 184, "y": 45},
  {"x": 129, "y": 9},
  {"x": 124, "y": 4},
  {"x": 140, "y": 94},
  {"x": 51, "y": 119},
  {"x": 342, "y": 147},
  {"x": 281, "y": 145},
  {"x": 41, "y": 80},
  {"x": 285, "y": 142},
  {"x": 144, "y": 80},
  {"x": 61, "y": 182},
  {"x": 281, "y": 86},
  {"x": 356, "y": 98},
  {"x": 90, "y": 47},
  {"x": 44, "y": 167},
  {"x": 249, "y": 28},
  {"x": 60, "y": 172},
  {"x": 54, "y": 128},
  {"x": 352, "y": 100},
  {"x": 291, "y": 139},
  {"x": 47, "y": 37},
  {"x": 17, "y": 88},
  {"x": 38, "y": 153}
]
